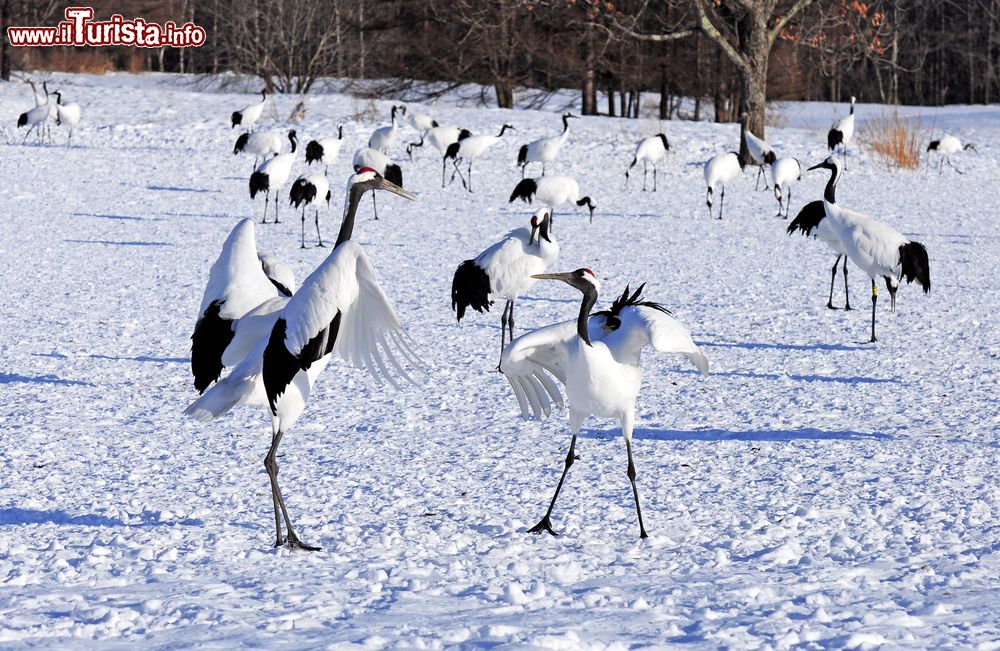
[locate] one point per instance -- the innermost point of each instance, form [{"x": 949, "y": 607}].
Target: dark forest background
[{"x": 729, "y": 55}]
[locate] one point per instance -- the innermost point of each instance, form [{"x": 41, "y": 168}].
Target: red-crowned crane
[
  {"x": 553, "y": 191},
  {"x": 947, "y": 146},
  {"x": 262, "y": 144},
  {"x": 384, "y": 137},
  {"x": 67, "y": 114},
  {"x": 310, "y": 189},
  {"x": 841, "y": 133},
  {"x": 760, "y": 152},
  {"x": 419, "y": 121},
  {"x": 544, "y": 150},
  {"x": 650, "y": 150},
  {"x": 785, "y": 172},
  {"x": 505, "y": 270},
  {"x": 469, "y": 149},
  {"x": 876, "y": 247},
  {"x": 247, "y": 116},
  {"x": 245, "y": 291},
  {"x": 35, "y": 117},
  {"x": 442, "y": 138},
  {"x": 271, "y": 175},
  {"x": 340, "y": 309},
  {"x": 325, "y": 150},
  {"x": 596, "y": 357},
  {"x": 720, "y": 170}
]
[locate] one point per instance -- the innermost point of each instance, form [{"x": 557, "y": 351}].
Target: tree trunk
[
  {"x": 664, "y": 93},
  {"x": 505, "y": 94},
  {"x": 755, "y": 49},
  {"x": 611, "y": 98},
  {"x": 4, "y": 45}
]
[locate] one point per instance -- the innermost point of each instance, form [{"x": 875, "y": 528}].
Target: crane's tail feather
[
  {"x": 916, "y": 266},
  {"x": 236, "y": 388},
  {"x": 834, "y": 138},
  {"x": 808, "y": 218},
  {"x": 470, "y": 288},
  {"x": 524, "y": 191},
  {"x": 314, "y": 152}
]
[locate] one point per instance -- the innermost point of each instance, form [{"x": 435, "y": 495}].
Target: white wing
[
  {"x": 251, "y": 328},
  {"x": 642, "y": 326},
  {"x": 237, "y": 278},
  {"x": 243, "y": 384},
  {"x": 531, "y": 361},
  {"x": 369, "y": 335}
]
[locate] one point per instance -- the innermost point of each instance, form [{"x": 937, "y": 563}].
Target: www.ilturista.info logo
[{"x": 79, "y": 29}]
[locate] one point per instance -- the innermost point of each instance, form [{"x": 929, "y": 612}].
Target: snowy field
[{"x": 814, "y": 491}]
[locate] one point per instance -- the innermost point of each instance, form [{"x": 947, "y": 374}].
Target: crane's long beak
[
  {"x": 817, "y": 166},
  {"x": 565, "y": 277},
  {"x": 382, "y": 184}
]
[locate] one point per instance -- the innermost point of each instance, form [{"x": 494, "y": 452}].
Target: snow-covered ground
[{"x": 813, "y": 491}]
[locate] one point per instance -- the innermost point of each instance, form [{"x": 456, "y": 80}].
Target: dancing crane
[
  {"x": 340, "y": 308},
  {"x": 68, "y": 114},
  {"x": 596, "y": 358},
  {"x": 442, "y": 138},
  {"x": 813, "y": 217},
  {"x": 505, "y": 270},
  {"x": 876, "y": 247}
]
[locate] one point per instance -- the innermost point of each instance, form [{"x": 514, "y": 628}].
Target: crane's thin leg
[
  {"x": 510, "y": 316},
  {"x": 27, "y": 134},
  {"x": 279, "y": 540},
  {"x": 69, "y": 139},
  {"x": 892, "y": 294},
  {"x": 722, "y": 200},
  {"x": 470, "y": 176},
  {"x": 271, "y": 465},
  {"x": 833, "y": 277},
  {"x": 543, "y": 169},
  {"x": 631, "y": 476},
  {"x": 788, "y": 201},
  {"x": 266, "y": 197},
  {"x": 777, "y": 195},
  {"x": 276, "y": 220},
  {"x": 374, "y": 207},
  {"x": 319, "y": 238},
  {"x": 952, "y": 166},
  {"x": 847, "y": 294},
  {"x": 303, "y": 226},
  {"x": 444, "y": 164},
  {"x": 874, "y": 300},
  {"x": 654, "y": 177},
  {"x": 644, "y": 170},
  {"x": 708, "y": 202},
  {"x": 756, "y": 185},
  {"x": 503, "y": 331},
  {"x": 545, "y": 524}
]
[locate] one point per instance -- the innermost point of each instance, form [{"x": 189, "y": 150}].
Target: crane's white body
[
  {"x": 845, "y": 126},
  {"x": 785, "y": 172},
  {"x": 373, "y": 158},
  {"x": 557, "y": 191},
  {"x": 345, "y": 282},
  {"x": 442, "y": 137},
  {"x": 250, "y": 114},
  {"x": 475, "y": 146},
  {"x": 602, "y": 379},
  {"x": 319, "y": 181},
  {"x": 419, "y": 121},
  {"x": 948, "y": 145},
  {"x": 264, "y": 143},
  {"x": 384, "y": 138},
  {"x": 545, "y": 150},
  {"x": 68, "y": 114},
  {"x": 511, "y": 262},
  {"x": 650, "y": 150},
  {"x": 720, "y": 170},
  {"x": 331, "y": 149},
  {"x": 278, "y": 169},
  {"x": 871, "y": 244}
]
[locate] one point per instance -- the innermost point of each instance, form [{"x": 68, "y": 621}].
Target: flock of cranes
[{"x": 260, "y": 339}]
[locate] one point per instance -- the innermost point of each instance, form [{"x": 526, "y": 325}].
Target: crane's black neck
[
  {"x": 292, "y": 139},
  {"x": 831, "y": 186},
  {"x": 666, "y": 145},
  {"x": 502, "y": 129},
  {"x": 589, "y": 298},
  {"x": 852, "y": 108},
  {"x": 58, "y": 97},
  {"x": 263, "y": 96},
  {"x": 347, "y": 225},
  {"x": 543, "y": 232},
  {"x": 340, "y": 132},
  {"x": 565, "y": 123}
]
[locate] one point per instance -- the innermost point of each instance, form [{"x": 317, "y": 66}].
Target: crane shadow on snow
[
  {"x": 105, "y": 216},
  {"x": 144, "y": 358},
  {"x": 170, "y": 188},
  {"x": 796, "y": 378},
  {"x": 15, "y": 516},
  {"x": 12, "y": 378},
  {"x": 114, "y": 243},
  {"x": 780, "y": 346},
  {"x": 804, "y": 434}
]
